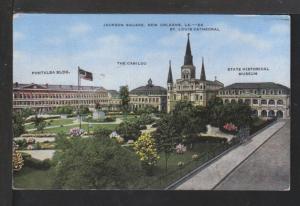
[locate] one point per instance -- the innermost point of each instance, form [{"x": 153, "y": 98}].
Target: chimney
[
  {"x": 46, "y": 85},
  {"x": 16, "y": 84}
]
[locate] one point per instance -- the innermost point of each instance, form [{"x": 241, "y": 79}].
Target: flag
[{"x": 85, "y": 75}]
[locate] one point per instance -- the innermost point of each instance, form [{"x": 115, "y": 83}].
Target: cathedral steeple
[
  {"x": 202, "y": 75},
  {"x": 170, "y": 77},
  {"x": 188, "y": 58}
]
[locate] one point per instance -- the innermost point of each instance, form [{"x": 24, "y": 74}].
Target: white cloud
[
  {"x": 247, "y": 38},
  {"x": 79, "y": 29}
]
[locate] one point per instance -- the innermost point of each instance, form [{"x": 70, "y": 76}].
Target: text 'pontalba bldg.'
[{"x": 189, "y": 87}]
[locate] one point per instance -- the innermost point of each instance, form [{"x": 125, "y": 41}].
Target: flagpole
[
  {"x": 79, "y": 84},
  {"x": 78, "y": 97}
]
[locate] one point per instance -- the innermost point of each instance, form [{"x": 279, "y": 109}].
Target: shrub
[
  {"x": 110, "y": 119},
  {"x": 129, "y": 130},
  {"x": 145, "y": 119},
  {"x": 103, "y": 132},
  {"x": 145, "y": 148},
  {"x": 195, "y": 157},
  {"x": 63, "y": 110},
  {"x": 180, "y": 164},
  {"x": 22, "y": 143},
  {"x": 256, "y": 127}
]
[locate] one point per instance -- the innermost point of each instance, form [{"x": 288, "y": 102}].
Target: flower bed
[{"x": 76, "y": 132}]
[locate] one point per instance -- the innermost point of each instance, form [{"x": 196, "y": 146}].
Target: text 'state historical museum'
[{"x": 267, "y": 99}]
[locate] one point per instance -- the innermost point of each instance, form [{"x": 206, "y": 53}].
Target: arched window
[
  {"x": 279, "y": 102},
  {"x": 263, "y": 101},
  {"x": 233, "y": 101},
  {"x": 264, "y": 113},
  {"x": 271, "y": 113},
  {"x": 240, "y": 101},
  {"x": 271, "y": 102},
  {"x": 255, "y": 101},
  {"x": 247, "y": 101},
  {"x": 226, "y": 101},
  {"x": 279, "y": 114}
]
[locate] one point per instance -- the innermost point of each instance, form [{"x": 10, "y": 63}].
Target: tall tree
[
  {"x": 165, "y": 136},
  {"x": 18, "y": 124},
  {"x": 124, "y": 94},
  {"x": 215, "y": 109},
  {"x": 188, "y": 120}
]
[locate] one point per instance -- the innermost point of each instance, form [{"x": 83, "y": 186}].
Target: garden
[{"x": 129, "y": 155}]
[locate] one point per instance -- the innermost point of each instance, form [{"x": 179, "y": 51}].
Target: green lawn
[
  {"x": 53, "y": 122},
  {"x": 60, "y": 121},
  {"x": 163, "y": 178},
  {"x": 33, "y": 179}
]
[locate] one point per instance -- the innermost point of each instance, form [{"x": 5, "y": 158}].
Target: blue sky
[{"x": 44, "y": 42}]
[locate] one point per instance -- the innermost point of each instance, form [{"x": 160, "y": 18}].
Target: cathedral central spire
[
  {"x": 188, "y": 58},
  {"x": 202, "y": 75}
]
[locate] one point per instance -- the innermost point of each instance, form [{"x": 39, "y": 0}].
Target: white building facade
[{"x": 267, "y": 99}]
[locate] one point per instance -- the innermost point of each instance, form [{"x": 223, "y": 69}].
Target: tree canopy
[
  {"x": 124, "y": 95},
  {"x": 18, "y": 124},
  {"x": 94, "y": 163}
]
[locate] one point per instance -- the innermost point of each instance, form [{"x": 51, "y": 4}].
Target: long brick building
[{"x": 45, "y": 97}]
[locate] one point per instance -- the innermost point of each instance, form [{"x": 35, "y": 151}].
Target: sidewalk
[{"x": 210, "y": 176}]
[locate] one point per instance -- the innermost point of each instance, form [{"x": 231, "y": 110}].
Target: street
[{"x": 267, "y": 169}]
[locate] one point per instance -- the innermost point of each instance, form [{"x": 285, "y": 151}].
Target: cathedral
[{"x": 188, "y": 87}]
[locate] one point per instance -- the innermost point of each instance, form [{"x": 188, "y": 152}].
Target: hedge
[{"x": 35, "y": 163}]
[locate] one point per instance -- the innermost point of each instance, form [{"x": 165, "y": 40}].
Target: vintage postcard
[{"x": 142, "y": 101}]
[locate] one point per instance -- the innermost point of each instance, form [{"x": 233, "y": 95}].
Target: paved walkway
[
  {"x": 267, "y": 169},
  {"x": 210, "y": 176},
  {"x": 39, "y": 154}
]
